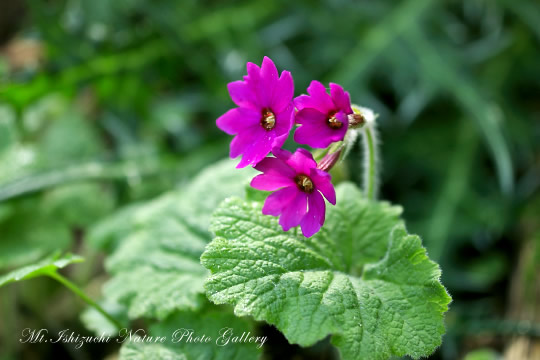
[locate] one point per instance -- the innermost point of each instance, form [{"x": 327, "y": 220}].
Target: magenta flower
[
  {"x": 264, "y": 115},
  {"x": 299, "y": 186},
  {"x": 323, "y": 118}
]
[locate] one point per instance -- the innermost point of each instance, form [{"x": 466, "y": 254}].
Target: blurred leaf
[
  {"x": 482, "y": 354},
  {"x": 8, "y": 131},
  {"x": 38, "y": 116},
  {"x": 485, "y": 271},
  {"x": 94, "y": 170},
  {"x": 45, "y": 267},
  {"x": 141, "y": 351},
  {"x": 27, "y": 234},
  {"x": 60, "y": 135},
  {"x": 70, "y": 137},
  {"x": 155, "y": 267},
  {"x": 355, "y": 64},
  {"x": 93, "y": 320},
  {"x": 16, "y": 160},
  {"x": 487, "y": 115},
  {"x": 453, "y": 191},
  {"x": 21, "y": 94},
  {"x": 212, "y": 323},
  {"x": 528, "y": 11},
  {"x": 79, "y": 205},
  {"x": 25, "y": 175}
]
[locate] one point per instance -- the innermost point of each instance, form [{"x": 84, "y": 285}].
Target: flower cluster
[{"x": 266, "y": 113}]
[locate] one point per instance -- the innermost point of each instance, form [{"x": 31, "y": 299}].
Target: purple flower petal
[
  {"x": 276, "y": 174},
  {"x": 258, "y": 149},
  {"x": 340, "y": 98},
  {"x": 258, "y": 126},
  {"x": 311, "y": 223},
  {"x": 262, "y": 81},
  {"x": 303, "y": 101},
  {"x": 242, "y": 95},
  {"x": 320, "y": 98},
  {"x": 342, "y": 118},
  {"x": 318, "y": 112},
  {"x": 244, "y": 139},
  {"x": 238, "y": 119},
  {"x": 284, "y": 121},
  {"x": 280, "y": 140},
  {"x": 283, "y": 92},
  {"x": 275, "y": 166},
  {"x": 322, "y": 181},
  {"x": 294, "y": 212},
  {"x": 253, "y": 71},
  {"x": 269, "y": 73},
  {"x": 257, "y": 86},
  {"x": 297, "y": 203},
  {"x": 271, "y": 182},
  {"x": 309, "y": 116},
  {"x": 301, "y": 161},
  {"x": 314, "y": 131},
  {"x": 281, "y": 154},
  {"x": 254, "y": 143},
  {"x": 276, "y": 201}
]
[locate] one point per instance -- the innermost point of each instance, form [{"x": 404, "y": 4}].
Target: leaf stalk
[{"x": 75, "y": 289}]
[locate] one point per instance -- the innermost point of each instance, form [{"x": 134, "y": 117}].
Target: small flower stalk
[
  {"x": 371, "y": 162},
  {"x": 261, "y": 123}
]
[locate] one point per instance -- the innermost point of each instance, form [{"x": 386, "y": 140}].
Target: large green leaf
[
  {"x": 363, "y": 278},
  {"x": 213, "y": 323},
  {"x": 156, "y": 268}
]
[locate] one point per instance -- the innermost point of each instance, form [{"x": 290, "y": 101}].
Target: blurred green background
[{"x": 108, "y": 103}]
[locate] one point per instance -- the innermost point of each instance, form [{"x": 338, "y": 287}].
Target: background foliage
[{"x": 107, "y": 105}]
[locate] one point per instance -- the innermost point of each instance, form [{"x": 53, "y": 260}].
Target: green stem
[
  {"x": 370, "y": 169},
  {"x": 74, "y": 288}
]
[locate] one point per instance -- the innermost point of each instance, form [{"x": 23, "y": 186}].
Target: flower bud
[
  {"x": 356, "y": 120},
  {"x": 329, "y": 161}
]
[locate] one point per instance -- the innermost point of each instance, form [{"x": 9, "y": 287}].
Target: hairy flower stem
[
  {"x": 370, "y": 164},
  {"x": 75, "y": 289}
]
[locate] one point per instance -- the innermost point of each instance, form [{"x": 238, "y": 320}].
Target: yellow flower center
[
  {"x": 268, "y": 120},
  {"x": 333, "y": 122},
  {"x": 304, "y": 183}
]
